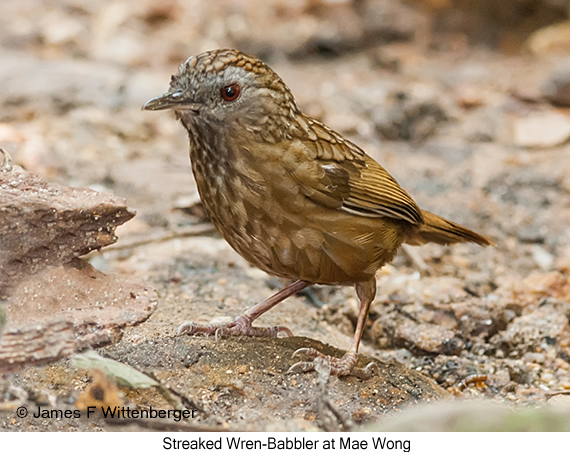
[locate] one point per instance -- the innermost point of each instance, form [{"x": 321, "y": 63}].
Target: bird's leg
[
  {"x": 345, "y": 365},
  {"x": 241, "y": 325}
]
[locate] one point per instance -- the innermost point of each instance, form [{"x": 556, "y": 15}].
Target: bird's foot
[
  {"x": 338, "y": 366},
  {"x": 240, "y": 326}
]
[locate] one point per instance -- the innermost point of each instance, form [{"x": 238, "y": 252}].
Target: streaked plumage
[{"x": 292, "y": 196}]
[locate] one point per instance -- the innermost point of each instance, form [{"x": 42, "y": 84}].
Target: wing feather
[{"x": 334, "y": 172}]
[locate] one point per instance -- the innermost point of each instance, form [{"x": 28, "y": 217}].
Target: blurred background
[
  {"x": 448, "y": 94},
  {"x": 465, "y": 102}
]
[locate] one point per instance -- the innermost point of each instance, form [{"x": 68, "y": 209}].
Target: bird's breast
[{"x": 262, "y": 213}]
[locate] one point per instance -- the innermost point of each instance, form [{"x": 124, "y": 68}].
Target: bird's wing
[{"x": 334, "y": 172}]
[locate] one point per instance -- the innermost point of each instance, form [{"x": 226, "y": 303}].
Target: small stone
[
  {"x": 534, "y": 357},
  {"x": 560, "y": 363},
  {"x": 552, "y": 39},
  {"x": 541, "y": 130},
  {"x": 543, "y": 258},
  {"x": 557, "y": 88},
  {"x": 547, "y": 377},
  {"x": 469, "y": 98},
  {"x": 532, "y": 233}
]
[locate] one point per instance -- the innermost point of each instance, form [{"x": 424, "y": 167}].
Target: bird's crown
[{"x": 220, "y": 59}]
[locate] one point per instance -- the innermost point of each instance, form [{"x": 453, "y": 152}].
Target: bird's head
[{"x": 223, "y": 89}]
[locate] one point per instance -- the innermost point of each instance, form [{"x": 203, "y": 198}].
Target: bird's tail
[{"x": 444, "y": 232}]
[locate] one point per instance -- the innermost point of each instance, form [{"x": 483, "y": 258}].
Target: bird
[{"x": 289, "y": 194}]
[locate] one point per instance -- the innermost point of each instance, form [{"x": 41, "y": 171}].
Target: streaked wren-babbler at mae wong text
[{"x": 290, "y": 195}]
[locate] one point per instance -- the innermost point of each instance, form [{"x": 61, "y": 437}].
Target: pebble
[
  {"x": 552, "y": 39},
  {"x": 543, "y": 258},
  {"x": 534, "y": 357},
  {"x": 557, "y": 88},
  {"x": 547, "y": 377},
  {"x": 541, "y": 130},
  {"x": 561, "y": 364}
]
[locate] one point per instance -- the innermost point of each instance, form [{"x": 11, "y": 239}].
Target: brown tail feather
[{"x": 444, "y": 232}]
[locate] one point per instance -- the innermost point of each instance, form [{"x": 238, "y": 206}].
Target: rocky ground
[{"x": 467, "y": 110}]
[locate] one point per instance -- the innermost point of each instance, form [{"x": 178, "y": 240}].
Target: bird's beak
[{"x": 172, "y": 100}]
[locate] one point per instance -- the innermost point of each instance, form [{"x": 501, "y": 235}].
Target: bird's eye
[{"x": 230, "y": 92}]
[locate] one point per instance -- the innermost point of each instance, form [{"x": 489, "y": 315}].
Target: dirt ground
[{"x": 467, "y": 110}]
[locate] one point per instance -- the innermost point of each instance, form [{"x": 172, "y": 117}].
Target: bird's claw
[
  {"x": 309, "y": 351},
  {"x": 338, "y": 366},
  {"x": 240, "y": 326}
]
